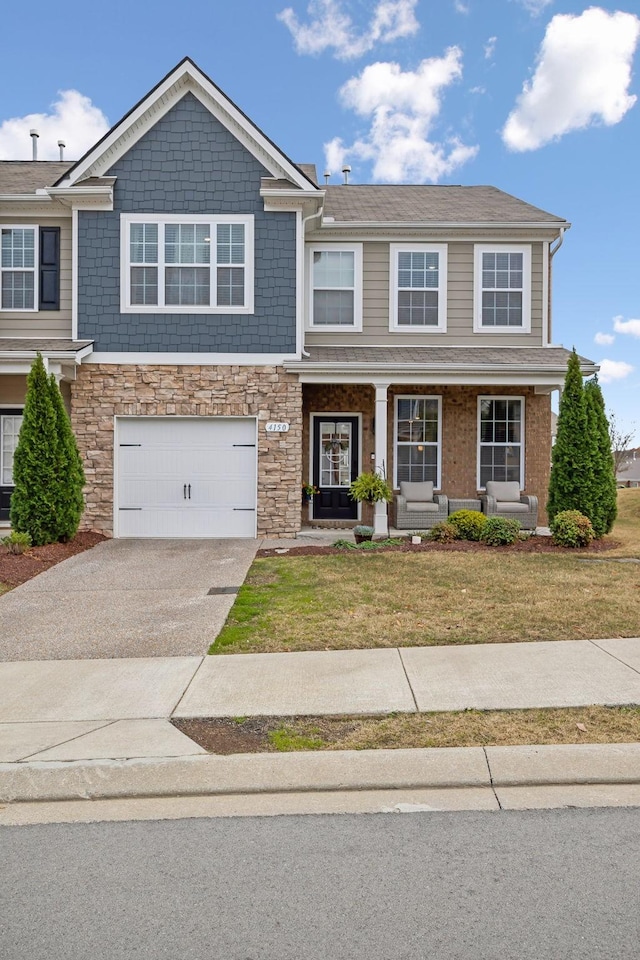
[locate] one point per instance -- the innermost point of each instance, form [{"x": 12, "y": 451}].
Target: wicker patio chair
[
  {"x": 503, "y": 499},
  {"x": 418, "y": 508}
]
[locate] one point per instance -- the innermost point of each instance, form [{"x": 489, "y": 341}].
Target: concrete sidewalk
[{"x": 73, "y": 710}]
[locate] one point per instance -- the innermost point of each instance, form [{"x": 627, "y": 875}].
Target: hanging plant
[{"x": 372, "y": 488}]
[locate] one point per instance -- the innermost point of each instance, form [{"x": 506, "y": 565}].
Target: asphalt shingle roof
[
  {"x": 372, "y": 203},
  {"x": 552, "y": 358},
  {"x": 9, "y": 345},
  {"x": 27, "y": 176}
]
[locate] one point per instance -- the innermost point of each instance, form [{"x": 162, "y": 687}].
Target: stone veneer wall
[
  {"x": 103, "y": 391},
  {"x": 459, "y": 430}
]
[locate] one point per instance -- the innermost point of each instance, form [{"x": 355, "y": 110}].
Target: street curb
[{"x": 492, "y": 767}]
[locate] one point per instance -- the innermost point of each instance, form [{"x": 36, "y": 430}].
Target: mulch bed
[
  {"x": 17, "y": 569},
  {"x": 530, "y": 545}
]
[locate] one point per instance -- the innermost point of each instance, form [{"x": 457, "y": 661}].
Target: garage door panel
[{"x": 191, "y": 477}]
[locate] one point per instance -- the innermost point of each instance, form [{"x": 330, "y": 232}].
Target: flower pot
[{"x": 361, "y": 537}]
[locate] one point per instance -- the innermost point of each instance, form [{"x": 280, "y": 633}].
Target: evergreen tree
[
  {"x": 35, "y": 462},
  {"x": 604, "y": 478},
  {"x": 70, "y": 477},
  {"x": 571, "y": 482}
]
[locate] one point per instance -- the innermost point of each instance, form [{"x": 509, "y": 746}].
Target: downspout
[
  {"x": 552, "y": 253},
  {"x": 305, "y": 220}
]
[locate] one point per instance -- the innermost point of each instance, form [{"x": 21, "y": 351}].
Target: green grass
[
  {"x": 286, "y": 740},
  {"x": 376, "y": 599}
]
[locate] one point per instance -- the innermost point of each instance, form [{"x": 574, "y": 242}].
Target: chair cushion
[
  {"x": 415, "y": 506},
  {"x": 413, "y": 491},
  {"x": 508, "y": 506},
  {"x": 506, "y": 491}
]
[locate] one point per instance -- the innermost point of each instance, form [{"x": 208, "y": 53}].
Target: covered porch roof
[{"x": 60, "y": 356}]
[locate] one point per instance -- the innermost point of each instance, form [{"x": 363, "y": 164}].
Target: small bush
[
  {"x": 469, "y": 523},
  {"x": 500, "y": 531},
  {"x": 570, "y": 528},
  {"x": 17, "y": 542},
  {"x": 444, "y": 532}
]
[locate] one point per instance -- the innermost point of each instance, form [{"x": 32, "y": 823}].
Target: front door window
[
  {"x": 335, "y": 465},
  {"x": 10, "y": 423}
]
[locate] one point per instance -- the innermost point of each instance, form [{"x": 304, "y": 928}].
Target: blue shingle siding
[{"x": 188, "y": 163}]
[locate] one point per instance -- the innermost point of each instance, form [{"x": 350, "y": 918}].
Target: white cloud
[
  {"x": 626, "y": 326},
  {"x": 604, "y": 339},
  {"x": 534, "y": 7},
  {"x": 582, "y": 77},
  {"x": 461, "y": 7},
  {"x": 402, "y": 107},
  {"x": 331, "y": 28},
  {"x": 73, "y": 118},
  {"x": 490, "y": 48},
  {"x": 611, "y": 370}
]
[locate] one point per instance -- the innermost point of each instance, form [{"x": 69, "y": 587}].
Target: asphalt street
[{"x": 533, "y": 885}]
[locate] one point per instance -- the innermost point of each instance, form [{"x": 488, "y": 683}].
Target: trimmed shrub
[
  {"x": 570, "y": 528},
  {"x": 469, "y": 523},
  {"x": 444, "y": 532},
  {"x": 500, "y": 531},
  {"x": 605, "y": 497},
  {"x": 69, "y": 472},
  {"x": 35, "y": 464}
]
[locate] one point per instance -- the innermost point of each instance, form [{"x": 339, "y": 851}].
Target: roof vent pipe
[
  {"x": 34, "y": 141},
  {"x": 346, "y": 170},
  {"x": 61, "y": 145},
  {"x": 327, "y": 176}
]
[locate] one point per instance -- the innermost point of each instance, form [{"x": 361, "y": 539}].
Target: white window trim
[
  {"x": 4, "y": 408},
  {"x": 500, "y": 396},
  {"x": 417, "y": 396},
  {"x": 35, "y": 268},
  {"x": 356, "y": 249},
  {"x": 161, "y": 218},
  {"x": 525, "y": 250},
  {"x": 441, "y": 249}
]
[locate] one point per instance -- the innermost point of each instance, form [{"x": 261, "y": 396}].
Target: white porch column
[{"x": 380, "y": 520}]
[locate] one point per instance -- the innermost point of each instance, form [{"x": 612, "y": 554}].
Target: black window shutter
[{"x": 49, "y": 268}]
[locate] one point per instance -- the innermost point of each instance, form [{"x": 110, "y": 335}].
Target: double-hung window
[
  {"x": 187, "y": 264},
  {"x": 418, "y": 438},
  {"x": 18, "y": 264},
  {"x": 500, "y": 439},
  {"x": 418, "y": 285},
  {"x": 335, "y": 286},
  {"x": 502, "y": 289}
]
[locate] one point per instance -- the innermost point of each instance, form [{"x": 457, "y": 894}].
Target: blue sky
[{"x": 537, "y": 97}]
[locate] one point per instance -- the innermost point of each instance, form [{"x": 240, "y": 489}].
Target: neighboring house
[
  {"x": 224, "y": 329},
  {"x": 629, "y": 473}
]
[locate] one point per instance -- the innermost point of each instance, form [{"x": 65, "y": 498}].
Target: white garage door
[{"x": 191, "y": 477}]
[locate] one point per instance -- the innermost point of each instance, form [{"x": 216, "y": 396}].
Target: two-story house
[{"x": 224, "y": 328}]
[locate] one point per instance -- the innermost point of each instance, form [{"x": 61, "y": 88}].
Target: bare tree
[{"x": 620, "y": 442}]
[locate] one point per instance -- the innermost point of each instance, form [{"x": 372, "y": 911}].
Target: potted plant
[
  {"x": 308, "y": 492},
  {"x": 362, "y": 532}
]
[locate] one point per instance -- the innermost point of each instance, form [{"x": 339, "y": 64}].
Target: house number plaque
[{"x": 275, "y": 426}]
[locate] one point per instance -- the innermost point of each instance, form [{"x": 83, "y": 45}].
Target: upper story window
[
  {"x": 418, "y": 287},
  {"x": 178, "y": 263},
  {"x": 335, "y": 286},
  {"x": 18, "y": 268},
  {"x": 500, "y": 439},
  {"x": 502, "y": 289},
  {"x": 418, "y": 439}
]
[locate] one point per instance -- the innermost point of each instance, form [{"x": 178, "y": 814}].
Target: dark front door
[
  {"x": 10, "y": 422},
  {"x": 335, "y": 464}
]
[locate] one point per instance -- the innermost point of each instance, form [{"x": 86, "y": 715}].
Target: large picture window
[
  {"x": 418, "y": 439},
  {"x": 418, "y": 286},
  {"x": 502, "y": 289},
  {"x": 500, "y": 439},
  {"x": 189, "y": 264},
  {"x": 335, "y": 287}
]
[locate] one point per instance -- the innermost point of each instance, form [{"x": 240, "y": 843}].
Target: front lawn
[{"x": 378, "y": 599}]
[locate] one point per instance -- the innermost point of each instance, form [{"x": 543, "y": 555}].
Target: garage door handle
[
  {"x": 184, "y": 492},
  {"x": 245, "y": 509},
  {"x": 189, "y": 488},
  {"x": 243, "y": 444}
]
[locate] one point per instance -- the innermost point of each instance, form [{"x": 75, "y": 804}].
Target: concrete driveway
[{"x": 126, "y": 598}]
